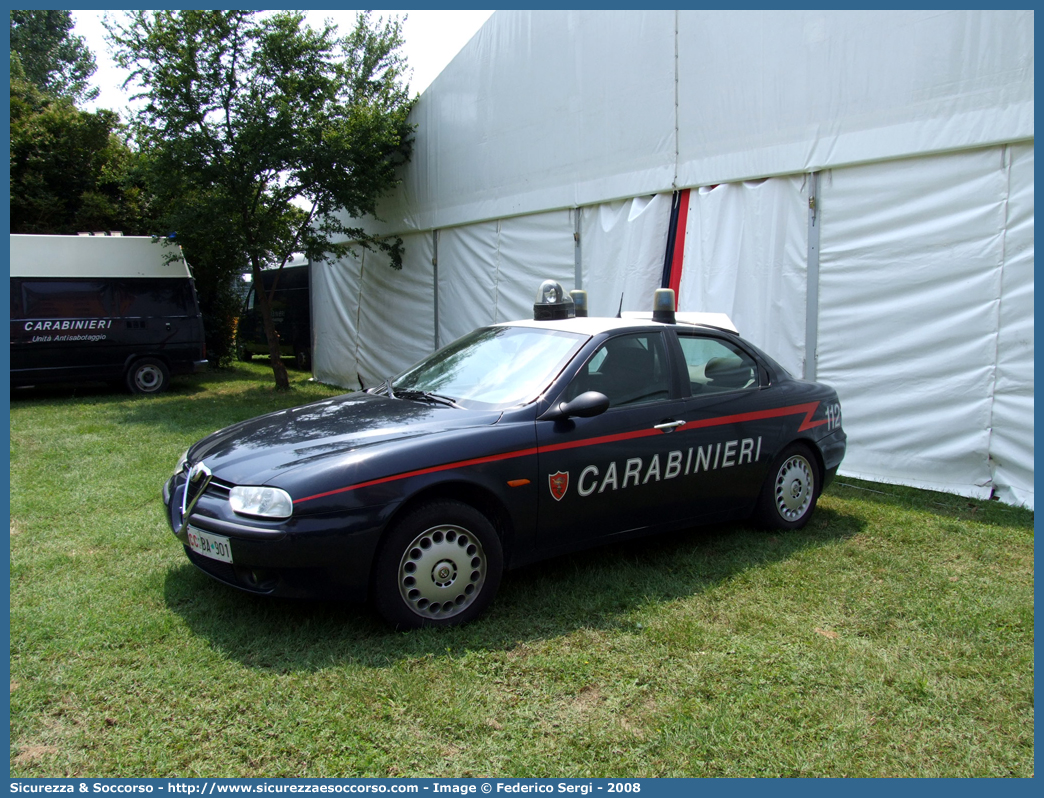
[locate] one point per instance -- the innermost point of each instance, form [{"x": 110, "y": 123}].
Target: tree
[
  {"x": 70, "y": 170},
  {"x": 51, "y": 57},
  {"x": 264, "y": 135}
]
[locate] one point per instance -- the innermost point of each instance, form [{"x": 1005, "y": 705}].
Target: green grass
[{"x": 891, "y": 637}]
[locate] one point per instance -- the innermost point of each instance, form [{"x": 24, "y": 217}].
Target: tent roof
[{"x": 546, "y": 110}]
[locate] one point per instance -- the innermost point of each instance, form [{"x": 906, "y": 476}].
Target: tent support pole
[
  {"x": 578, "y": 272},
  {"x": 812, "y": 291},
  {"x": 435, "y": 279}
]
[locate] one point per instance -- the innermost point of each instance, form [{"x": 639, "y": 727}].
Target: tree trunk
[{"x": 282, "y": 379}]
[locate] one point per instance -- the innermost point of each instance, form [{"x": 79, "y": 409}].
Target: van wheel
[
  {"x": 245, "y": 355},
  {"x": 301, "y": 359},
  {"x": 439, "y": 566},
  {"x": 148, "y": 375}
]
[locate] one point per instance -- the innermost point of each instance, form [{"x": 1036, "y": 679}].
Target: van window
[
  {"x": 154, "y": 298},
  {"x": 61, "y": 299},
  {"x": 16, "y": 299}
]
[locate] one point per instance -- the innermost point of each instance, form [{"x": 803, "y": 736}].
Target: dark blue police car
[{"x": 517, "y": 442}]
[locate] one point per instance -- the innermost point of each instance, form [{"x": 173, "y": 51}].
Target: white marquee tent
[{"x": 854, "y": 188}]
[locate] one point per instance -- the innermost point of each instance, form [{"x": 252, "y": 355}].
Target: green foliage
[
  {"x": 263, "y": 137},
  {"x": 220, "y": 305},
  {"x": 892, "y": 637},
  {"x": 58, "y": 62},
  {"x": 70, "y": 170}
]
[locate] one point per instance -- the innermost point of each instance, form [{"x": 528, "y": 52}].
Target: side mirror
[{"x": 587, "y": 404}]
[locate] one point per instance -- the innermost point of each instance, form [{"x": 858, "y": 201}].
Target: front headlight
[
  {"x": 182, "y": 462},
  {"x": 261, "y": 502}
]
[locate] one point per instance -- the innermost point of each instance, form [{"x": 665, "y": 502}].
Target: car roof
[
  {"x": 720, "y": 321},
  {"x": 593, "y": 325}
]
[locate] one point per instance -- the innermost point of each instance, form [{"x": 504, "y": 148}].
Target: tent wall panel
[
  {"x": 335, "y": 320},
  {"x": 745, "y": 255},
  {"x": 622, "y": 246},
  {"x": 489, "y": 272},
  {"x": 467, "y": 279},
  {"x": 532, "y": 249},
  {"x": 1011, "y": 440},
  {"x": 910, "y": 281},
  {"x": 386, "y": 345}
]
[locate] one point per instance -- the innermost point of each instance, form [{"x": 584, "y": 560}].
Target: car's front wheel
[
  {"x": 439, "y": 566},
  {"x": 791, "y": 490}
]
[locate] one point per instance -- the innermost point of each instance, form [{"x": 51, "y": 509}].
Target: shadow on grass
[
  {"x": 187, "y": 386},
  {"x": 101, "y": 392},
  {"x": 596, "y": 589},
  {"x": 246, "y": 403},
  {"x": 196, "y": 404}
]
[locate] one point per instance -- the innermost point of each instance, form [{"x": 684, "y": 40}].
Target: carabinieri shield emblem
[{"x": 559, "y": 484}]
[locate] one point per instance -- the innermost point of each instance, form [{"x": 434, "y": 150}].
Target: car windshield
[{"x": 494, "y": 367}]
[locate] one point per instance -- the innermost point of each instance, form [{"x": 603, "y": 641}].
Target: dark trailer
[
  {"x": 291, "y": 314},
  {"x": 112, "y": 308}
]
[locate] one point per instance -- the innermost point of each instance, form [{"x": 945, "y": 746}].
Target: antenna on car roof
[{"x": 619, "y": 312}]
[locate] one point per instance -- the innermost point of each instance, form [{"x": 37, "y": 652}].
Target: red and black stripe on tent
[{"x": 675, "y": 254}]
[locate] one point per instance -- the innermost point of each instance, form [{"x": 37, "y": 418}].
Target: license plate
[{"x": 214, "y": 546}]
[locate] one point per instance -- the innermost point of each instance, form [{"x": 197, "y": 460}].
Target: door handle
[{"x": 669, "y": 426}]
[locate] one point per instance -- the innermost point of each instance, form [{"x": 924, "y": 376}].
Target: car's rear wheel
[
  {"x": 791, "y": 490},
  {"x": 439, "y": 566},
  {"x": 148, "y": 375}
]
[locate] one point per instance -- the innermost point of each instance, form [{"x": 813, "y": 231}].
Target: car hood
[{"x": 262, "y": 449}]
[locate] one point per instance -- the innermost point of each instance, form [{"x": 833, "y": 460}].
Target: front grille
[
  {"x": 212, "y": 487},
  {"x": 219, "y": 489}
]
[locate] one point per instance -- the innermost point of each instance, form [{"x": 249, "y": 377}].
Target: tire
[
  {"x": 439, "y": 566},
  {"x": 301, "y": 359},
  {"x": 148, "y": 375},
  {"x": 245, "y": 355},
  {"x": 791, "y": 490}
]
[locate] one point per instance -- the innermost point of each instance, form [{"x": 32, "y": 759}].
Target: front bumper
[{"x": 319, "y": 556}]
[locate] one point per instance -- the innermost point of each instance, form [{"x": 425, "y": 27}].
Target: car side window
[
  {"x": 716, "y": 366},
  {"x": 629, "y": 369}
]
